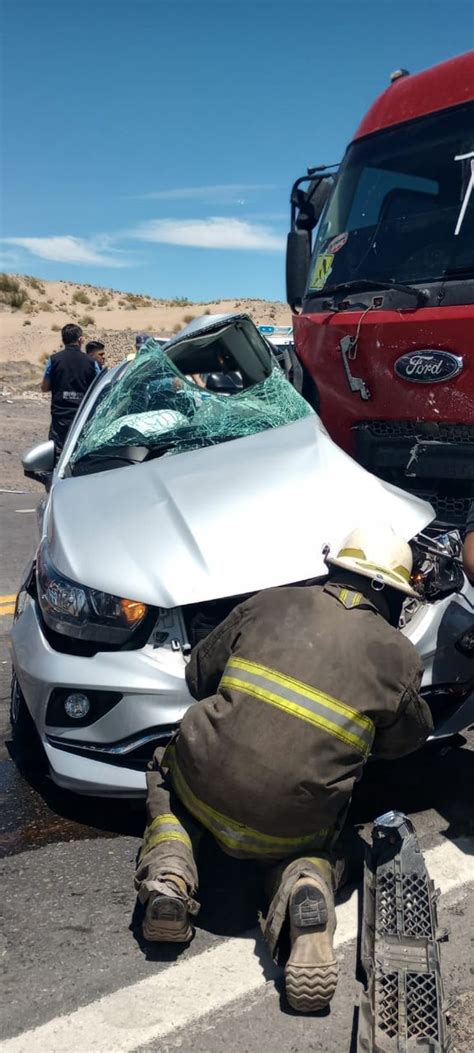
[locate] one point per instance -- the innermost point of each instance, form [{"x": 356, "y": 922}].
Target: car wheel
[{"x": 25, "y": 737}]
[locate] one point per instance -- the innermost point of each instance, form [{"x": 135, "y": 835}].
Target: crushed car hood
[{"x": 222, "y": 521}]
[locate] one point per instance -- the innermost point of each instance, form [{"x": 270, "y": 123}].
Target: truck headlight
[{"x": 79, "y": 611}]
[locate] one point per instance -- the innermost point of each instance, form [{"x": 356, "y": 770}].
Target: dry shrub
[
  {"x": 86, "y": 320},
  {"x": 11, "y": 292},
  {"x": 37, "y": 286},
  {"x": 80, "y": 297}
]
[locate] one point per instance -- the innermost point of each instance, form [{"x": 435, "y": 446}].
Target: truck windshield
[{"x": 403, "y": 207}]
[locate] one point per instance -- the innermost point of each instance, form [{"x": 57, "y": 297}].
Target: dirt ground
[
  {"x": 461, "y": 1018},
  {"x": 23, "y": 423}
]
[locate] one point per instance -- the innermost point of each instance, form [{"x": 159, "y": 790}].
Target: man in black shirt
[
  {"x": 468, "y": 552},
  {"x": 68, "y": 375}
]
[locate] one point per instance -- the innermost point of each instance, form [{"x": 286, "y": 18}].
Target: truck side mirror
[
  {"x": 298, "y": 257},
  {"x": 39, "y": 461}
]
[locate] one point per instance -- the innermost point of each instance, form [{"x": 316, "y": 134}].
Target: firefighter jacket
[{"x": 296, "y": 688}]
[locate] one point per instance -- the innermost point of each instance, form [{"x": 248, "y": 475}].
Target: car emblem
[{"x": 428, "y": 367}]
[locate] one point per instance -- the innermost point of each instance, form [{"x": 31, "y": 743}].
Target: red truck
[{"x": 380, "y": 278}]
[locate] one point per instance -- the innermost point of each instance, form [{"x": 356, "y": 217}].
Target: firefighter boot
[
  {"x": 311, "y": 970},
  {"x": 167, "y": 919}
]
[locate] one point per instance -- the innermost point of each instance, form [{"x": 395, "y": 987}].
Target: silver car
[{"x": 169, "y": 504}]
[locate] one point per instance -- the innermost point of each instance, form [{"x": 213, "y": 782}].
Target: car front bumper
[{"x": 106, "y": 757}]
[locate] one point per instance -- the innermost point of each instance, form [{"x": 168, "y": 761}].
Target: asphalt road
[{"x": 75, "y": 966}]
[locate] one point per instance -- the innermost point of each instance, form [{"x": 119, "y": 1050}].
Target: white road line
[{"x": 181, "y": 994}]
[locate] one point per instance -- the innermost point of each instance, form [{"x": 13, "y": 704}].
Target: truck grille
[
  {"x": 411, "y": 429},
  {"x": 442, "y": 474}
]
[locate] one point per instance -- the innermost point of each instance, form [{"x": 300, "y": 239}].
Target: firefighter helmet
[{"x": 378, "y": 553}]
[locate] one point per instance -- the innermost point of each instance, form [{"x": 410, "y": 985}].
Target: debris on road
[{"x": 402, "y": 1006}]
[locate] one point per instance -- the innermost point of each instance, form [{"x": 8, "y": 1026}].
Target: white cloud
[
  {"x": 216, "y": 232},
  {"x": 68, "y": 249},
  {"x": 9, "y": 260},
  {"x": 216, "y": 192}
]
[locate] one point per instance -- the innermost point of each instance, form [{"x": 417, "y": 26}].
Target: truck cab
[{"x": 380, "y": 278}]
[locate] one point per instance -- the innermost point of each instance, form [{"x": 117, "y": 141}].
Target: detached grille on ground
[{"x": 402, "y": 1005}]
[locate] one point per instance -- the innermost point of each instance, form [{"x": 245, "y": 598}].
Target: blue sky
[{"x": 151, "y": 144}]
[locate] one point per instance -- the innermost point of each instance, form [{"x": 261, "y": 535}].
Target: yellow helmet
[{"x": 378, "y": 553}]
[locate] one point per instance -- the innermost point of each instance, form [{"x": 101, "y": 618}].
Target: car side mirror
[
  {"x": 298, "y": 258},
  {"x": 39, "y": 461}
]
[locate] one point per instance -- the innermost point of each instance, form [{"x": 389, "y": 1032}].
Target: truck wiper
[{"x": 360, "y": 284}]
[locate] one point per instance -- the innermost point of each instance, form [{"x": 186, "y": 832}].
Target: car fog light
[
  {"x": 465, "y": 644},
  {"x": 77, "y": 706}
]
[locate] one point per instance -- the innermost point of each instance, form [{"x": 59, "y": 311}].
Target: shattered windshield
[
  {"x": 403, "y": 206},
  {"x": 156, "y": 407}
]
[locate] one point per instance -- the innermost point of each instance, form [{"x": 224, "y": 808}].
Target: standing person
[
  {"x": 96, "y": 351},
  {"x": 468, "y": 550},
  {"x": 294, "y": 690},
  {"x": 140, "y": 340},
  {"x": 68, "y": 375}
]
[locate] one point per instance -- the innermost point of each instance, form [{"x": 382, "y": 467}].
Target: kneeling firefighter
[{"x": 295, "y": 689}]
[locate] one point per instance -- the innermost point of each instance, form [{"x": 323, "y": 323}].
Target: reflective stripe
[
  {"x": 400, "y": 572},
  {"x": 163, "y": 819},
  {"x": 403, "y": 572},
  {"x": 350, "y": 599},
  {"x": 159, "y": 838},
  {"x": 236, "y": 836},
  {"x": 164, "y": 827},
  {"x": 360, "y": 558},
  {"x": 303, "y": 701}
]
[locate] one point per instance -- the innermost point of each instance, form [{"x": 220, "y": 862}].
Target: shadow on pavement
[
  {"x": 35, "y": 812},
  {"x": 439, "y": 777}
]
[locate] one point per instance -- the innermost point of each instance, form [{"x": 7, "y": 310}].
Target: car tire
[{"x": 26, "y": 741}]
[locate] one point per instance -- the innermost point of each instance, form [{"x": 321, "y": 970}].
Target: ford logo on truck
[{"x": 428, "y": 367}]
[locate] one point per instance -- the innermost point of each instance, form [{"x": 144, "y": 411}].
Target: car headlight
[{"x": 79, "y": 611}]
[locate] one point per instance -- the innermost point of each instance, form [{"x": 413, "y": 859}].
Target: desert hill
[{"x": 33, "y": 311}]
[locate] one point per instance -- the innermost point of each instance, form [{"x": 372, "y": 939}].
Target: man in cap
[{"x": 294, "y": 690}]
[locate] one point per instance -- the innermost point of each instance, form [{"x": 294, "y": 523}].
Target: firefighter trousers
[{"x": 171, "y": 845}]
